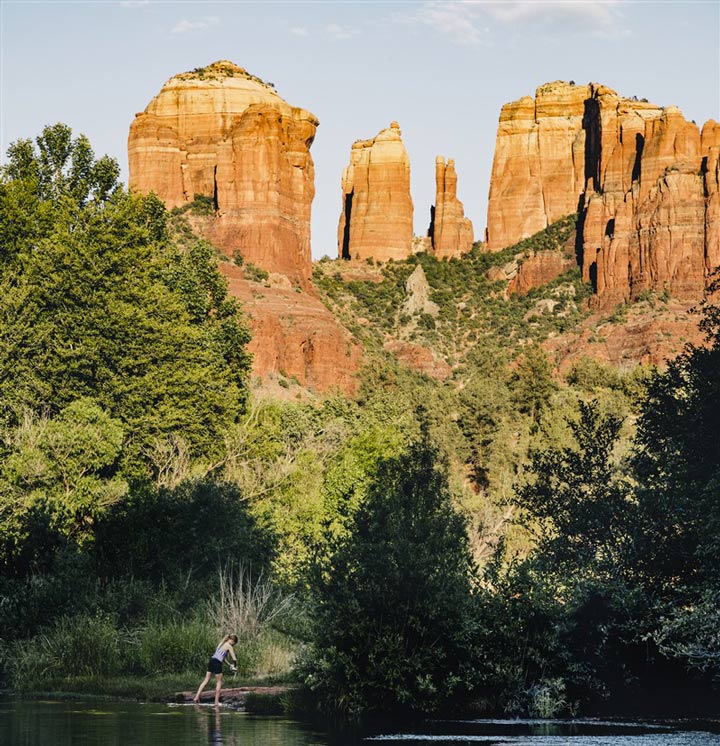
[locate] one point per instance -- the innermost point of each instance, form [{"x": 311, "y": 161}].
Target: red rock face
[
  {"x": 710, "y": 151},
  {"x": 644, "y": 224},
  {"x": 539, "y": 269},
  {"x": 450, "y": 231},
  {"x": 648, "y": 336},
  {"x": 294, "y": 335},
  {"x": 538, "y": 171},
  {"x": 419, "y": 358},
  {"x": 377, "y": 210},
  {"x": 645, "y": 184},
  {"x": 222, "y": 133}
]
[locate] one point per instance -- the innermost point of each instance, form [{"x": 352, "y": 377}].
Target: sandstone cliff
[
  {"x": 539, "y": 166},
  {"x": 643, "y": 213},
  {"x": 377, "y": 210},
  {"x": 450, "y": 231},
  {"x": 642, "y": 179},
  {"x": 294, "y": 336},
  {"x": 224, "y": 134}
]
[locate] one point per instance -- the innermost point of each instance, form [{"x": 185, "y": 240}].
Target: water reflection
[
  {"x": 215, "y": 730},
  {"x": 579, "y": 732},
  {"x": 48, "y": 723},
  {"x": 51, "y": 723}
]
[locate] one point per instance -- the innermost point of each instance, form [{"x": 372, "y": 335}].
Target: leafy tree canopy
[
  {"x": 393, "y": 598},
  {"x": 97, "y": 302}
]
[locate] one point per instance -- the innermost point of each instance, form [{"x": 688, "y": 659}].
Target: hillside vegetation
[
  {"x": 505, "y": 539},
  {"x": 471, "y": 308}
]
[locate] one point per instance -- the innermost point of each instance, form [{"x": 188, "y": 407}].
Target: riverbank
[{"x": 265, "y": 692}]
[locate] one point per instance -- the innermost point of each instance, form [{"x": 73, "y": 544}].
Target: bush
[{"x": 169, "y": 648}]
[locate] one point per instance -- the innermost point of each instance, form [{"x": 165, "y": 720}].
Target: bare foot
[{"x": 196, "y": 700}]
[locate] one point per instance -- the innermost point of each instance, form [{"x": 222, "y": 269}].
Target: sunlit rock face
[
  {"x": 539, "y": 166},
  {"x": 642, "y": 178},
  {"x": 450, "y": 231},
  {"x": 295, "y": 335},
  {"x": 644, "y": 209},
  {"x": 224, "y": 134},
  {"x": 377, "y": 211}
]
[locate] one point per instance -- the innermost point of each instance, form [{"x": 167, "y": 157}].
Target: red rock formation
[
  {"x": 710, "y": 151},
  {"x": 377, "y": 211},
  {"x": 294, "y": 334},
  {"x": 644, "y": 218},
  {"x": 539, "y": 166},
  {"x": 450, "y": 231},
  {"x": 538, "y": 269},
  {"x": 419, "y": 358},
  {"x": 224, "y": 134},
  {"x": 648, "y": 335},
  {"x": 645, "y": 181}
]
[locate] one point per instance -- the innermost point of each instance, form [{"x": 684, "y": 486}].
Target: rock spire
[
  {"x": 377, "y": 211},
  {"x": 450, "y": 231}
]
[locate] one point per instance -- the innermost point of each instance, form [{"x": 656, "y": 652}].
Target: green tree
[
  {"x": 98, "y": 303},
  {"x": 393, "y": 599},
  {"x": 578, "y": 503},
  {"x": 678, "y": 468},
  {"x": 58, "y": 472},
  {"x": 532, "y": 382}
]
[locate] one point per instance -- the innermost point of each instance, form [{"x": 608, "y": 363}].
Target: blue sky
[{"x": 441, "y": 69}]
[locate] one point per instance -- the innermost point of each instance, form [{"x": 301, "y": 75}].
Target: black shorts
[{"x": 214, "y": 666}]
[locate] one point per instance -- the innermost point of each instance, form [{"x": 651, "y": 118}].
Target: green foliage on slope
[{"x": 471, "y": 308}]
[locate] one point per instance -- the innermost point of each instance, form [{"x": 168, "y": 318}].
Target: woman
[{"x": 215, "y": 665}]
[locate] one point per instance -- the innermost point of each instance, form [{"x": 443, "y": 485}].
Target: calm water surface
[{"x": 81, "y": 723}]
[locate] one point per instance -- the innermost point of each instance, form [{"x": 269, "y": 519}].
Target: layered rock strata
[
  {"x": 538, "y": 170},
  {"x": 538, "y": 269},
  {"x": 710, "y": 152},
  {"x": 377, "y": 211},
  {"x": 450, "y": 231},
  {"x": 295, "y": 336},
  {"x": 647, "y": 210},
  {"x": 643, "y": 180},
  {"x": 225, "y": 135}
]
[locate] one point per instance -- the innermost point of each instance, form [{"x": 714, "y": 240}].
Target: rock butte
[
  {"x": 643, "y": 180},
  {"x": 377, "y": 211},
  {"x": 223, "y": 133},
  {"x": 450, "y": 231}
]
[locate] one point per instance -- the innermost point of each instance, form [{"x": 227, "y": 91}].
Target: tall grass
[
  {"x": 88, "y": 647},
  {"x": 252, "y": 608},
  {"x": 245, "y": 605}
]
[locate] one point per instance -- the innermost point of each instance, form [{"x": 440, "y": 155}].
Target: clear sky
[{"x": 441, "y": 69}]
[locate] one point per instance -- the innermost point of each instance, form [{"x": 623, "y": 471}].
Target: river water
[{"x": 97, "y": 723}]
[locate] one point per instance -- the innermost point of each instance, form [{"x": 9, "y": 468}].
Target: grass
[{"x": 152, "y": 658}]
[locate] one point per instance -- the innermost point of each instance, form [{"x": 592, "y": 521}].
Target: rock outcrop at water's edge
[
  {"x": 224, "y": 134},
  {"x": 377, "y": 211},
  {"x": 450, "y": 231}
]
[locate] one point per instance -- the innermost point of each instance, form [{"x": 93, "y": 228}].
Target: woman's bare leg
[
  {"x": 218, "y": 687},
  {"x": 202, "y": 686}
]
